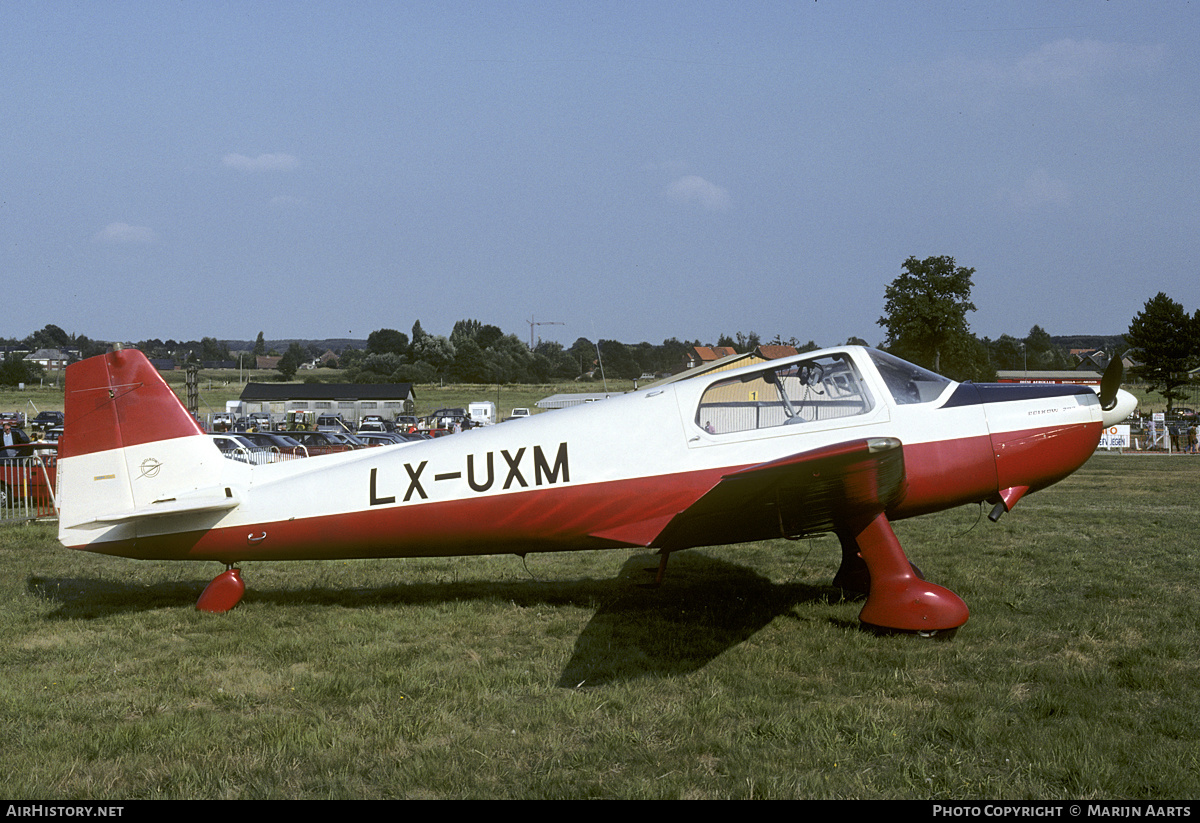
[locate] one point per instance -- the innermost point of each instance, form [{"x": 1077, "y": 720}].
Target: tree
[
  {"x": 584, "y": 352},
  {"x": 290, "y": 362},
  {"x": 212, "y": 350},
  {"x": 926, "y": 311},
  {"x": 50, "y": 337},
  {"x": 748, "y": 342},
  {"x": 435, "y": 350},
  {"x": 1165, "y": 337},
  {"x": 1043, "y": 354},
  {"x": 618, "y": 360},
  {"x": 260, "y": 346},
  {"x": 387, "y": 341},
  {"x": 15, "y": 369},
  {"x": 1008, "y": 353}
]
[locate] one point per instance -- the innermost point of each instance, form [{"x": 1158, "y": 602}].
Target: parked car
[
  {"x": 318, "y": 443},
  {"x": 236, "y": 447},
  {"x": 383, "y": 438},
  {"x": 47, "y": 420},
  {"x": 375, "y": 423},
  {"x": 445, "y": 418},
  {"x": 331, "y": 423}
]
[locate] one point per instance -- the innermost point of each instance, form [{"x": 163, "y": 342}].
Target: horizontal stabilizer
[{"x": 196, "y": 502}]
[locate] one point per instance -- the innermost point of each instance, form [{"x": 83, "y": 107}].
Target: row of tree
[
  {"x": 924, "y": 321},
  {"x": 476, "y": 352}
]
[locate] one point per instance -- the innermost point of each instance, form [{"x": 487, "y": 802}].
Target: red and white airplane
[{"x": 841, "y": 440}]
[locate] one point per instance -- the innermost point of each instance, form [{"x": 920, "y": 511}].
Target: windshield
[{"x": 906, "y": 382}]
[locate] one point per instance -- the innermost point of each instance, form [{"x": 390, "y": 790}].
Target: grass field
[{"x": 744, "y": 676}]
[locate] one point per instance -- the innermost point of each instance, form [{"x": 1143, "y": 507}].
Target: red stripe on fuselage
[{"x": 551, "y": 519}]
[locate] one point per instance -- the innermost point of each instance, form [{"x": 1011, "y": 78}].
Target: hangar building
[{"x": 352, "y": 401}]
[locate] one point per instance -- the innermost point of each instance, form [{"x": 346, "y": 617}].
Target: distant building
[
  {"x": 1090, "y": 359},
  {"x": 352, "y": 401},
  {"x": 52, "y": 360},
  {"x": 776, "y": 352},
  {"x": 699, "y": 355}
]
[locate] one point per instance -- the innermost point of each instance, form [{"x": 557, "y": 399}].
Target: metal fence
[
  {"x": 27, "y": 487},
  {"x": 259, "y": 457}
]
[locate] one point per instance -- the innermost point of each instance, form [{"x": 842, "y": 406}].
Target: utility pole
[{"x": 533, "y": 323}]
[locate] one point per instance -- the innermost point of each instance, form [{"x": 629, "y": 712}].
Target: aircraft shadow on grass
[{"x": 703, "y": 608}]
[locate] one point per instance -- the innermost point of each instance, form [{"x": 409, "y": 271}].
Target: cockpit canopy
[{"x": 821, "y": 388}]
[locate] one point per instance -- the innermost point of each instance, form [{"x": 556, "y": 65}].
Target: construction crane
[{"x": 533, "y": 323}]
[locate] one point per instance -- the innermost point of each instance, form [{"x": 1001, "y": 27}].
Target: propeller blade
[{"x": 1110, "y": 383}]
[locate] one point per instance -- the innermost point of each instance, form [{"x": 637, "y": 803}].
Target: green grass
[{"x": 745, "y": 675}]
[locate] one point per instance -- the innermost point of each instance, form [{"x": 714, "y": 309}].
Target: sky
[{"x": 620, "y": 170}]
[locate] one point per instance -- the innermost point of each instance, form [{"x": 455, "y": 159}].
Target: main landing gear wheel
[
  {"x": 223, "y": 593},
  {"x": 898, "y": 599}
]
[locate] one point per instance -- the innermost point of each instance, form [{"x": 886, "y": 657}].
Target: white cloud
[
  {"x": 1061, "y": 66},
  {"x": 696, "y": 190},
  {"x": 1038, "y": 190},
  {"x": 125, "y": 234},
  {"x": 264, "y": 162},
  {"x": 1076, "y": 62}
]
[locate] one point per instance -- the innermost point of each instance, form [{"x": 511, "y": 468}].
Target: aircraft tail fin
[
  {"x": 130, "y": 449},
  {"x": 119, "y": 400}
]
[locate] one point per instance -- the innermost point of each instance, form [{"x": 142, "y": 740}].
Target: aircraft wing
[{"x": 808, "y": 493}]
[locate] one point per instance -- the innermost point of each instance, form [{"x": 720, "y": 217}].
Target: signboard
[{"x": 1115, "y": 437}]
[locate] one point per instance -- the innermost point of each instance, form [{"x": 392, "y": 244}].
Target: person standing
[{"x": 13, "y": 437}]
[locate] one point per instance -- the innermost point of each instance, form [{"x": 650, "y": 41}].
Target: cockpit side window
[
  {"x": 906, "y": 382},
  {"x": 808, "y": 391}
]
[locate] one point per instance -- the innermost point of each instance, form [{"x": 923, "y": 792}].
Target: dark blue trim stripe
[{"x": 970, "y": 394}]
